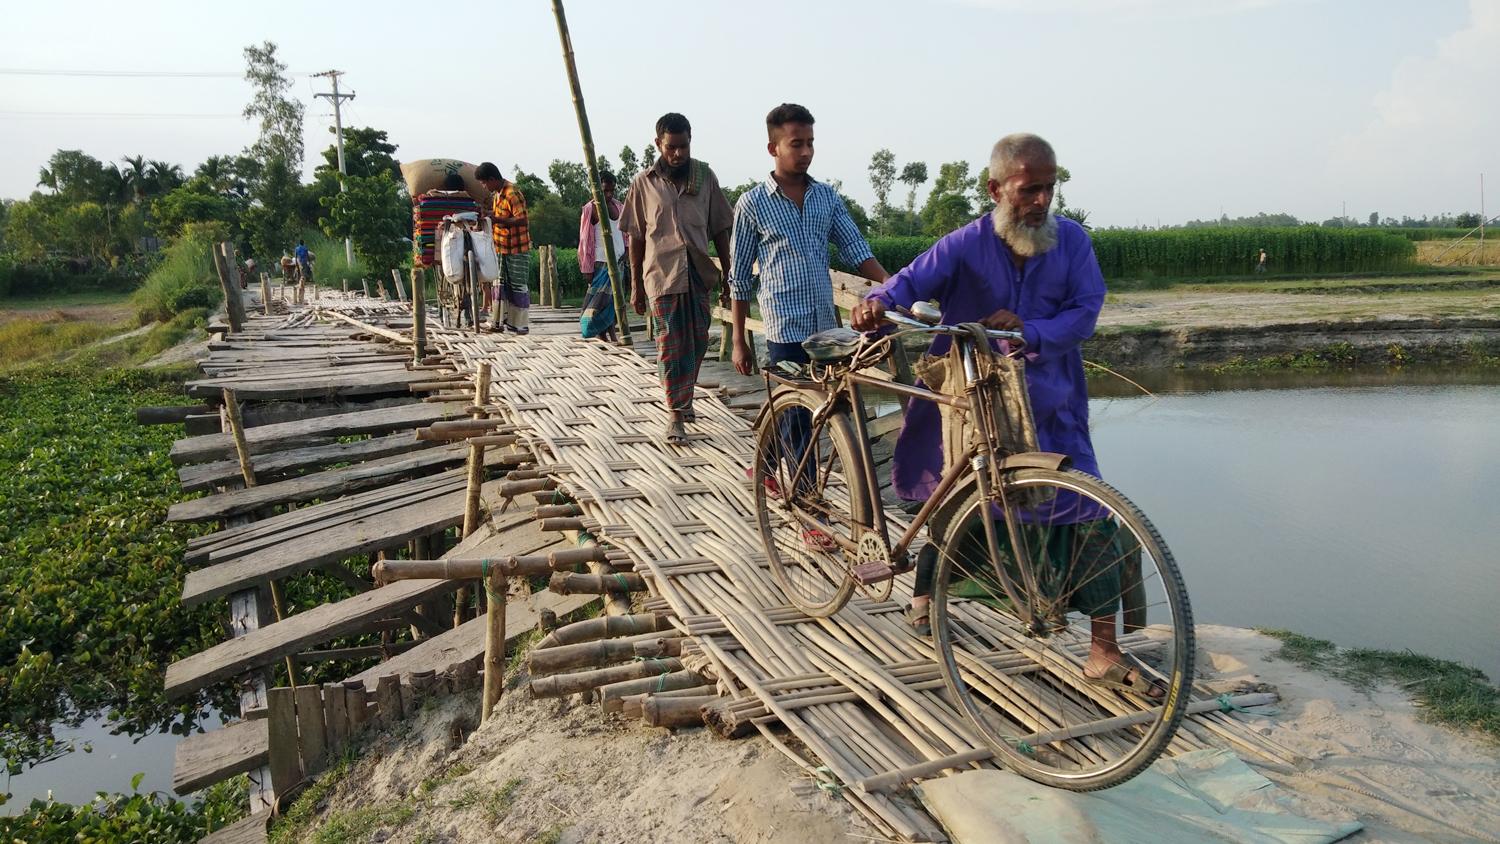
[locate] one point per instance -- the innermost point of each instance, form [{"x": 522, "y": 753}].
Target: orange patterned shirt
[{"x": 511, "y": 238}]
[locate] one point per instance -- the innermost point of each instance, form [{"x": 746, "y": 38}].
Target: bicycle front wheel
[
  {"x": 812, "y": 505},
  {"x": 1091, "y": 585}
]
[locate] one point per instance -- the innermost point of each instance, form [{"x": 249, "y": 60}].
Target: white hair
[{"x": 1009, "y": 150}]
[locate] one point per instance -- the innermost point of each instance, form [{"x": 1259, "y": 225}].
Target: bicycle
[
  {"x": 1027, "y": 546},
  {"x": 457, "y": 298}
]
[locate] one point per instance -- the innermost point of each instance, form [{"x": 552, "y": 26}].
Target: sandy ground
[{"x": 561, "y": 771}]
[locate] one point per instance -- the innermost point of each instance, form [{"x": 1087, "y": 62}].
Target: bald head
[{"x": 1012, "y": 151}]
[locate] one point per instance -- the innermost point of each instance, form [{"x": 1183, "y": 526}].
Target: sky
[{"x": 1163, "y": 110}]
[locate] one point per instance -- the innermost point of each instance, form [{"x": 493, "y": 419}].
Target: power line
[
  {"x": 119, "y": 114},
  {"x": 129, "y": 74}
]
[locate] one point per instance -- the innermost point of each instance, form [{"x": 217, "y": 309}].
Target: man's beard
[
  {"x": 1026, "y": 241},
  {"x": 677, "y": 172}
]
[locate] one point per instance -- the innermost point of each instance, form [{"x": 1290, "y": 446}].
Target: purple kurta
[{"x": 1057, "y": 295}]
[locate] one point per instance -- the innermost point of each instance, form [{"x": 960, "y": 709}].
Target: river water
[{"x": 1354, "y": 508}]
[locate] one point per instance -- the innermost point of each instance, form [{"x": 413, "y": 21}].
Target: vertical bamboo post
[
  {"x": 418, "y": 314},
  {"x": 396, "y": 280},
  {"x": 346, "y": 287},
  {"x": 616, "y": 284},
  {"x": 234, "y": 306},
  {"x": 475, "y": 479},
  {"x": 242, "y": 449},
  {"x": 365, "y": 283},
  {"x": 265, "y": 294},
  {"x": 494, "y": 643}
]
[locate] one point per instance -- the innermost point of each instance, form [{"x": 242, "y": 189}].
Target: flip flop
[
  {"x": 773, "y": 489},
  {"x": 676, "y": 434},
  {"x": 1129, "y": 675}
]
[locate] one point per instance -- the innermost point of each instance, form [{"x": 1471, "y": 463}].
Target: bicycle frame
[{"x": 845, "y": 389}]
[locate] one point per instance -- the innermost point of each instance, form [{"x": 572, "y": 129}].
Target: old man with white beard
[{"x": 1019, "y": 268}]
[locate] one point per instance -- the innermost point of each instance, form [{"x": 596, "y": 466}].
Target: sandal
[
  {"x": 773, "y": 489},
  {"x": 817, "y": 540},
  {"x": 676, "y": 434},
  {"x": 689, "y": 416},
  {"x": 921, "y": 622},
  {"x": 1129, "y": 675}
]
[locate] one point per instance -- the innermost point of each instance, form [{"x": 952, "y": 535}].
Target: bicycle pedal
[{"x": 866, "y": 574}]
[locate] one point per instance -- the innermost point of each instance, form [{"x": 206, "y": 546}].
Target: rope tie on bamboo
[
  {"x": 584, "y": 538},
  {"x": 620, "y": 578},
  {"x": 484, "y": 574},
  {"x": 827, "y": 781},
  {"x": 1227, "y": 705}
]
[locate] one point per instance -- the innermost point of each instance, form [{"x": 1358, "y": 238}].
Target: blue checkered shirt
[{"x": 790, "y": 247}]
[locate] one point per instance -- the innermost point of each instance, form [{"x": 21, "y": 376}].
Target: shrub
[
  {"x": 51, "y": 276},
  {"x": 185, "y": 279}
]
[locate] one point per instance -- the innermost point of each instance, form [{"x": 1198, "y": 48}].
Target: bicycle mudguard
[{"x": 1036, "y": 460}]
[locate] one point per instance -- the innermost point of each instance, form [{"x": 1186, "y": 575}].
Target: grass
[
  {"x": 1448, "y": 692},
  {"x": 65, "y": 300},
  {"x": 30, "y": 341}
]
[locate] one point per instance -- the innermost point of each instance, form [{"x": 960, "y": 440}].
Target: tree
[
  {"x": 571, "y": 180},
  {"x": 913, "y": 175},
  {"x": 948, "y": 205},
  {"x": 374, "y": 213},
  {"x": 1374, "y": 218},
  {"x": 367, "y": 153},
  {"x": 733, "y": 194},
  {"x": 882, "y": 176},
  {"x": 196, "y": 201},
  {"x": 74, "y": 176},
  {"x": 648, "y": 156},
  {"x": 629, "y": 166},
  {"x": 29, "y": 235},
  {"x": 983, "y": 202},
  {"x": 280, "y": 116},
  {"x": 1467, "y": 220},
  {"x": 274, "y": 219},
  {"x": 552, "y": 222},
  {"x": 162, "y": 177},
  {"x": 532, "y": 186},
  {"x": 1063, "y": 177}
]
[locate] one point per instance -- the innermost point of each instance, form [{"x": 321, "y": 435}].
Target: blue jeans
[{"x": 794, "y": 427}]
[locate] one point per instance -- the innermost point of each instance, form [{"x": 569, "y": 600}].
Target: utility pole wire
[{"x": 338, "y": 124}]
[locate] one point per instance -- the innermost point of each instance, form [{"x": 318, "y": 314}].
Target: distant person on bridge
[
  {"x": 598, "y": 318},
  {"x": 513, "y": 245},
  {"x": 782, "y": 228},
  {"x": 674, "y": 208},
  {"x": 1260, "y": 267},
  {"x": 305, "y": 258},
  {"x": 976, "y": 273}
]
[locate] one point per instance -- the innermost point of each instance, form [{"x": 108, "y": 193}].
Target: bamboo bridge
[{"x": 334, "y": 429}]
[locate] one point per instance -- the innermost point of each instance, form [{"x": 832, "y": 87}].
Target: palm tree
[
  {"x": 136, "y": 174},
  {"x": 218, "y": 170},
  {"x": 164, "y": 177}
]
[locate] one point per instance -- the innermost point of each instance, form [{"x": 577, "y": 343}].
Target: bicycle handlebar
[{"x": 904, "y": 321}]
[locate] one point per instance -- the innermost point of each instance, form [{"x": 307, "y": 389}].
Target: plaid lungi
[
  {"x": 512, "y": 295},
  {"x": 681, "y": 343}
]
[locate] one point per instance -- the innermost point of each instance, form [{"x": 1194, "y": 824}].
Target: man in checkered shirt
[{"x": 782, "y": 227}]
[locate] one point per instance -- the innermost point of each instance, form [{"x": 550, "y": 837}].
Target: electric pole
[{"x": 338, "y": 126}]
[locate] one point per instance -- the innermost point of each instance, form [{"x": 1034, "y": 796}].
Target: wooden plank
[
  {"x": 388, "y": 701},
  {"x": 335, "y": 717},
  {"x": 283, "y": 525},
  {"x": 281, "y": 738},
  {"x": 362, "y": 535},
  {"x": 329, "y": 621},
  {"x": 296, "y": 633},
  {"x": 251, "y": 830},
  {"x": 310, "y": 729},
  {"x": 329, "y": 484},
  {"x": 391, "y": 381},
  {"x": 263, "y": 438},
  {"x": 203, "y": 759}
]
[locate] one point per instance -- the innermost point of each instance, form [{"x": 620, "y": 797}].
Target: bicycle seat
[{"x": 833, "y": 345}]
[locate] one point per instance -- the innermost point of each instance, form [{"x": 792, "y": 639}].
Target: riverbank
[
  {"x": 565, "y": 772},
  {"x": 1303, "y": 323}
]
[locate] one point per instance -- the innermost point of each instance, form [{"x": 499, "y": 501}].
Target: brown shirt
[{"x": 676, "y": 223}]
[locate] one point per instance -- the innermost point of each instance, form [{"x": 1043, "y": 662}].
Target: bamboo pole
[
  {"x": 418, "y": 314},
  {"x": 396, "y": 280},
  {"x": 265, "y": 294},
  {"x": 475, "y": 482},
  {"x": 494, "y": 643},
  {"x": 616, "y": 284}
]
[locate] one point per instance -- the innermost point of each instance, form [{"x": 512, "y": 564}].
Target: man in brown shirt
[{"x": 674, "y": 208}]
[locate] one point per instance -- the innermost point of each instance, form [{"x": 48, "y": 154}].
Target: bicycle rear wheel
[
  {"x": 1088, "y": 560},
  {"x": 813, "y": 513}
]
